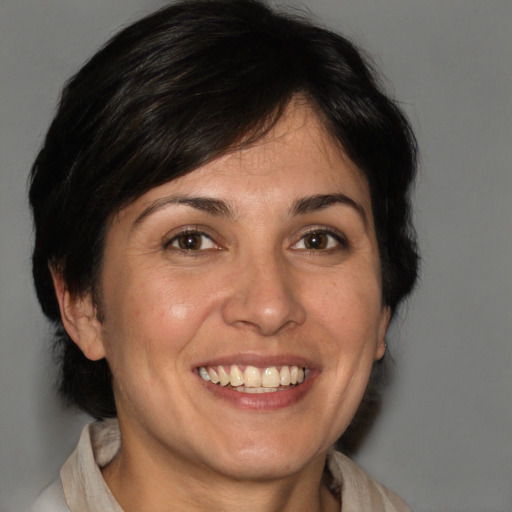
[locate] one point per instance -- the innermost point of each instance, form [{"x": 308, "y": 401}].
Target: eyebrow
[
  {"x": 215, "y": 207},
  {"x": 320, "y": 202},
  {"x": 218, "y": 207}
]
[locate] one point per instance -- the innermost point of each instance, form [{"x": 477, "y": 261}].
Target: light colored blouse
[{"x": 81, "y": 487}]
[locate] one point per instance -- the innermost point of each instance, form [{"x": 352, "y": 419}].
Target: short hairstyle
[{"x": 170, "y": 93}]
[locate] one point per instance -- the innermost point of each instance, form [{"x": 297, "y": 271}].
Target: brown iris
[
  {"x": 190, "y": 241},
  {"x": 316, "y": 241}
]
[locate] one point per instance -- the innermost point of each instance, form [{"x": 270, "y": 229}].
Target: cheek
[
  {"x": 150, "y": 311},
  {"x": 179, "y": 305},
  {"x": 349, "y": 306}
]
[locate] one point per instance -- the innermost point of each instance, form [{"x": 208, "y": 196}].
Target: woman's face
[{"x": 263, "y": 261}]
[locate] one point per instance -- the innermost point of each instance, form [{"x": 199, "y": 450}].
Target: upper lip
[{"x": 258, "y": 360}]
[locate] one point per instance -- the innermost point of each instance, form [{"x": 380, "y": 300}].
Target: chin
[{"x": 264, "y": 456}]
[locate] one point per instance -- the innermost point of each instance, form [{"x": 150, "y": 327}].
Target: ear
[
  {"x": 380, "y": 349},
  {"x": 79, "y": 318}
]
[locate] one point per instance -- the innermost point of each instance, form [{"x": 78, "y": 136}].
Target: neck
[{"x": 141, "y": 482}]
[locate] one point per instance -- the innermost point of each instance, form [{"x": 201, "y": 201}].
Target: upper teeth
[{"x": 253, "y": 377}]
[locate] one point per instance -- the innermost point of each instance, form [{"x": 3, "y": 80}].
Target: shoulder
[
  {"x": 51, "y": 499},
  {"x": 360, "y": 492}
]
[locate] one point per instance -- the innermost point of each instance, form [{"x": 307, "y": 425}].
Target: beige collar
[{"x": 86, "y": 490}]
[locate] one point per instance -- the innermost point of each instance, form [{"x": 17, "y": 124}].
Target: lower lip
[{"x": 262, "y": 401}]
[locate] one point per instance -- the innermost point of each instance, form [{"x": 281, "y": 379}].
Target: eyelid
[
  {"x": 338, "y": 235},
  {"x": 195, "y": 230}
]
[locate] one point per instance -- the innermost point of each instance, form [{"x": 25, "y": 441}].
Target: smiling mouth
[{"x": 251, "y": 379}]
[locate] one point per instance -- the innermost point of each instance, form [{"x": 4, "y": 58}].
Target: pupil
[
  {"x": 189, "y": 242},
  {"x": 316, "y": 241}
]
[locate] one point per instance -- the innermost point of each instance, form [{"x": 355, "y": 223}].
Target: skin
[{"x": 252, "y": 289}]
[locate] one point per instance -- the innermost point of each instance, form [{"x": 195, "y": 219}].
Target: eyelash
[
  {"x": 339, "y": 239},
  {"x": 333, "y": 239},
  {"x": 188, "y": 232}
]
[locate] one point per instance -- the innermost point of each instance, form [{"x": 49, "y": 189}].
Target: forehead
[{"x": 296, "y": 158}]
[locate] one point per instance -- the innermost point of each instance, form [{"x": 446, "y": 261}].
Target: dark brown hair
[{"x": 170, "y": 93}]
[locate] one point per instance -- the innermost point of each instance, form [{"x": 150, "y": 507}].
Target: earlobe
[
  {"x": 383, "y": 329},
  {"x": 79, "y": 318}
]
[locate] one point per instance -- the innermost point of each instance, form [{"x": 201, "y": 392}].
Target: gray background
[{"x": 444, "y": 439}]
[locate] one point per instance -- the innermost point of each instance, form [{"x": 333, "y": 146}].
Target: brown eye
[
  {"x": 191, "y": 241},
  {"x": 317, "y": 241},
  {"x": 321, "y": 241}
]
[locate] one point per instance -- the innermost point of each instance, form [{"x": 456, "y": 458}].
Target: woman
[{"x": 222, "y": 238}]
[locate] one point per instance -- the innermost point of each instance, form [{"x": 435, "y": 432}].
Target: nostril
[{"x": 265, "y": 315}]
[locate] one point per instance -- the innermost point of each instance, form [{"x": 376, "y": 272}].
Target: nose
[{"x": 264, "y": 298}]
